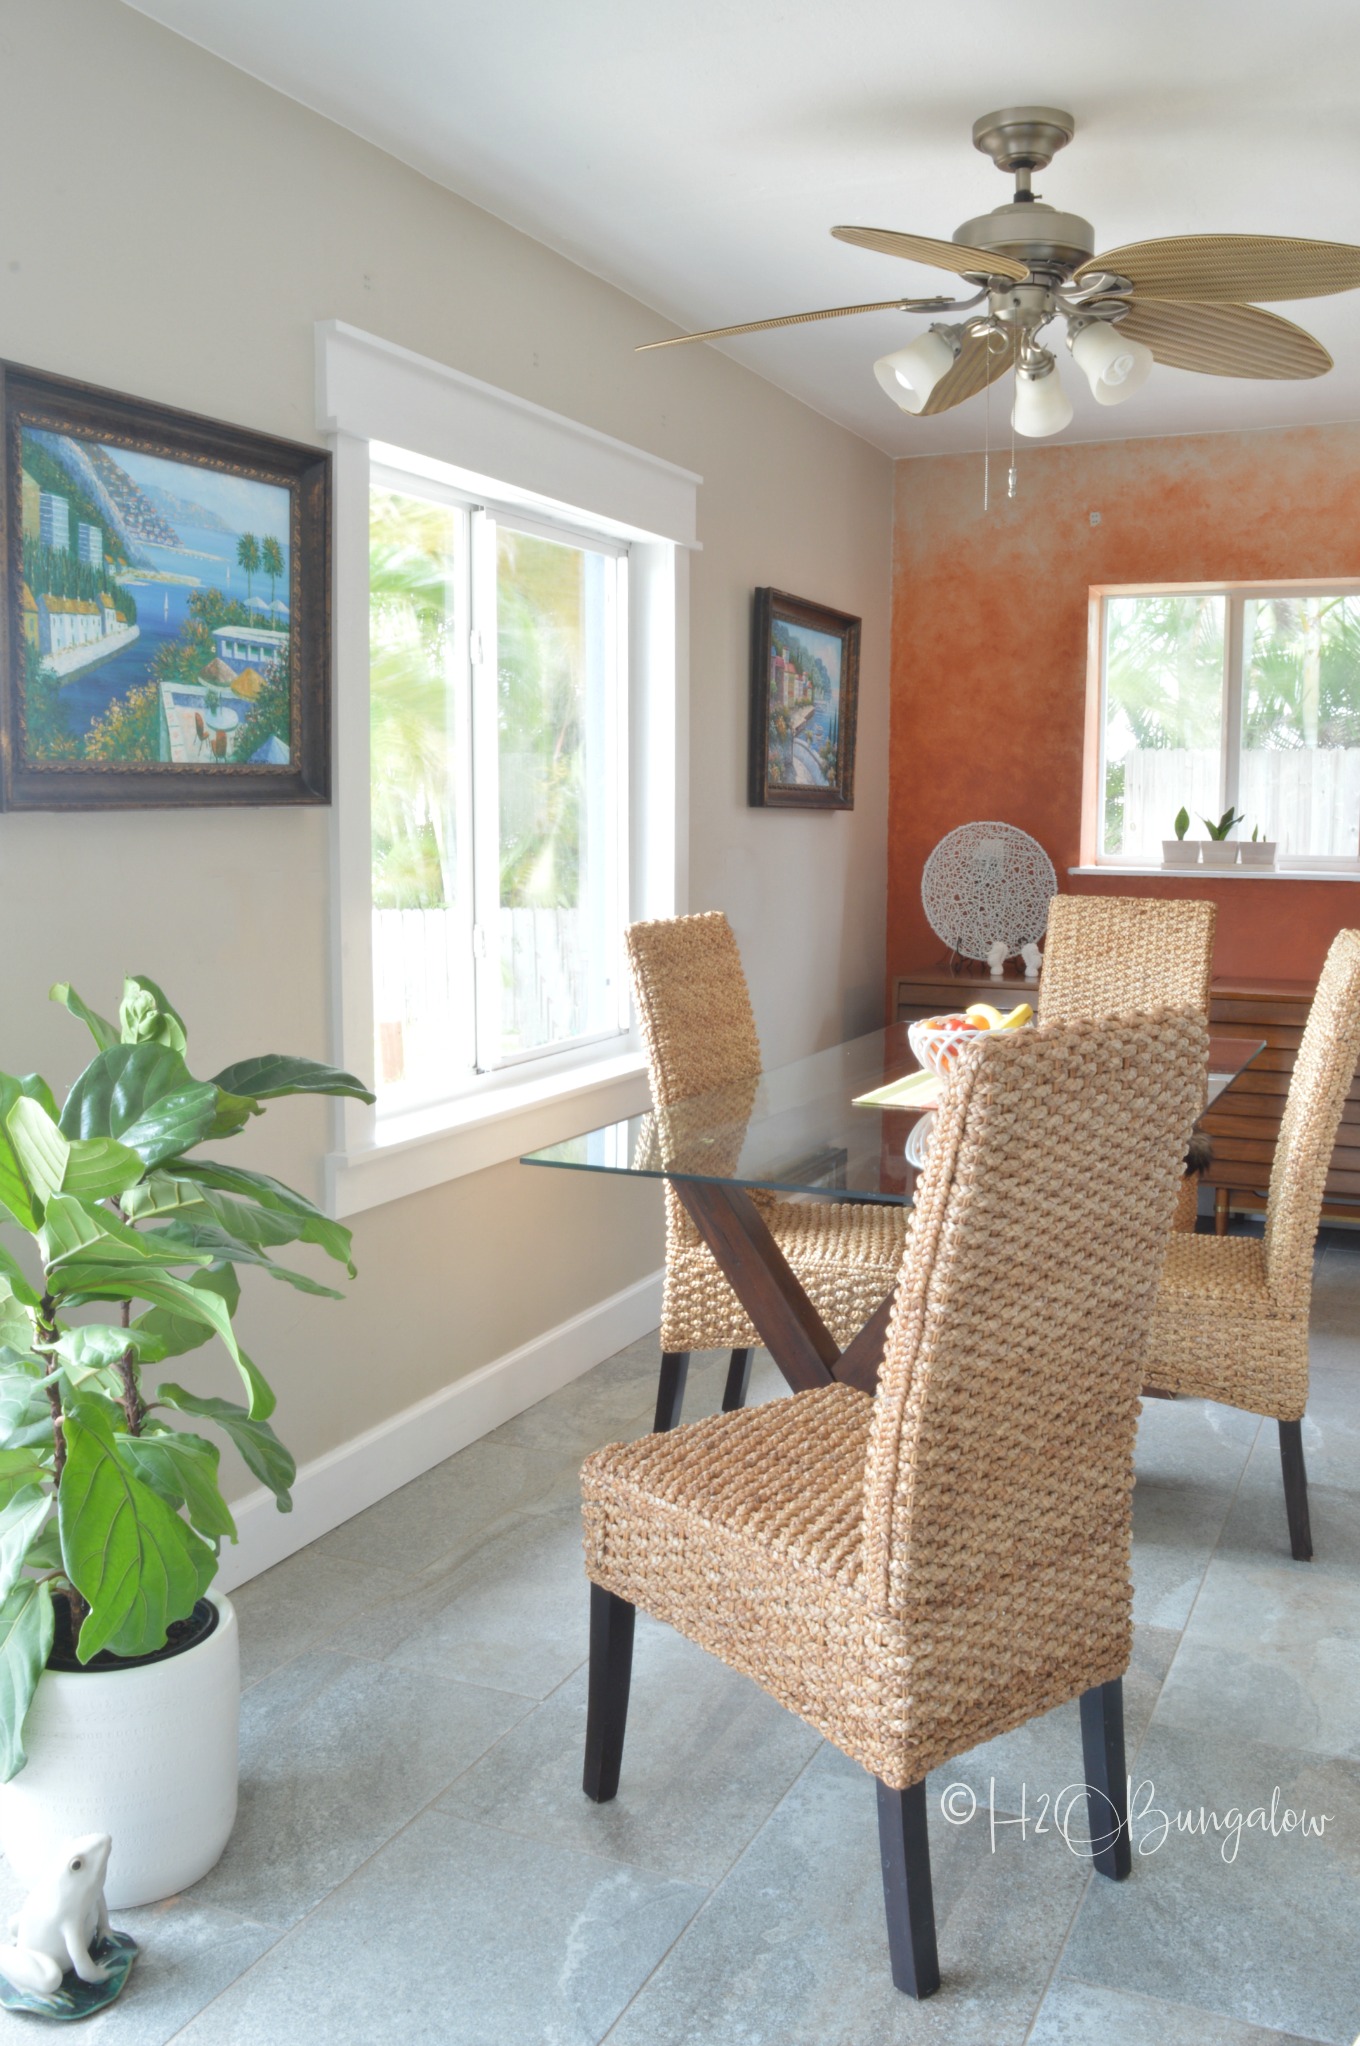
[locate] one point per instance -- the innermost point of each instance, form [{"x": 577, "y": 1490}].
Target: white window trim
[
  {"x": 1321, "y": 867},
  {"x": 372, "y": 394}
]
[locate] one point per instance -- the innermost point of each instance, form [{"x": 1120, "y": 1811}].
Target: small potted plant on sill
[
  {"x": 1257, "y": 851},
  {"x": 1218, "y": 850},
  {"x": 118, "y": 1667},
  {"x": 1180, "y": 851}
]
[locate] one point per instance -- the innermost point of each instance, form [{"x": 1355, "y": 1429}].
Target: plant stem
[
  {"x": 47, "y": 1334},
  {"x": 134, "y": 1406}
]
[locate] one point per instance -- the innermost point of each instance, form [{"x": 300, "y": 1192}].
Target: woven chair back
[
  {"x": 693, "y": 1003},
  {"x": 1321, "y": 1080},
  {"x": 1108, "y": 955},
  {"x": 1000, "y": 1467}
]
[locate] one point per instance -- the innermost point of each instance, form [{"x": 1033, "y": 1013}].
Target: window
[
  {"x": 1242, "y": 697},
  {"x": 511, "y": 711},
  {"x": 498, "y": 676}
]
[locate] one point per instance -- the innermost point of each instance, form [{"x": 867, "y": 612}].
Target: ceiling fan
[{"x": 1181, "y": 300}]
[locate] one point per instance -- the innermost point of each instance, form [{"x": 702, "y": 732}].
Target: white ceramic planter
[
  {"x": 1219, "y": 852},
  {"x": 146, "y": 1754},
  {"x": 1258, "y": 852},
  {"x": 1180, "y": 852}
]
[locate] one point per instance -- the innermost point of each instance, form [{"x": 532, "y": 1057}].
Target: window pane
[
  {"x": 1163, "y": 718},
  {"x": 422, "y": 953},
  {"x": 560, "y": 791},
  {"x": 1300, "y": 779}
]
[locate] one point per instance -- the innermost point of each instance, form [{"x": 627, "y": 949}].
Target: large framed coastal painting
[
  {"x": 166, "y": 596},
  {"x": 804, "y": 688}
]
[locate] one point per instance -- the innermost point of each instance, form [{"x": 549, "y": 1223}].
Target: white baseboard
[{"x": 360, "y": 1472}]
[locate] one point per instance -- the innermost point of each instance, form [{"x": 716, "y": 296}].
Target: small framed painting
[
  {"x": 165, "y": 584},
  {"x": 804, "y": 687}
]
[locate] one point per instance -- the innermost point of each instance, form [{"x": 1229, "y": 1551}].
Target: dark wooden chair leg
[
  {"x": 1107, "y": 1789},
  {"x": 611, "y": 1670},
  {"x": 904, "y": 1849},
  {"x": 1296, "y": 1490},
  {"x": 738, "y": 1381},
  {"x": 670, "y": 1391}
]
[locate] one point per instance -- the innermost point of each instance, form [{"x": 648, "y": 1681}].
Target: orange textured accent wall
[{"x": 989, "y": 645}]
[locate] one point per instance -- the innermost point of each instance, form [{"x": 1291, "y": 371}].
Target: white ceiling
[{"x": 696, "y": 152}]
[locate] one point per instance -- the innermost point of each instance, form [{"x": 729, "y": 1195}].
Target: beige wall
[{"x": 174, "y": 232}]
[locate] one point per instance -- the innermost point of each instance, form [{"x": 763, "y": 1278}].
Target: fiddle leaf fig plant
[{"x": 109, "y": 1508}]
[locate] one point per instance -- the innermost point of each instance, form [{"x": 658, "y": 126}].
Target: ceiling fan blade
[
  {"x": 831, "y": 312},
  {"x": 920, "y": 248},
  {"x": 1224, "y": 340},
  {"x": 978, "y": 365},
  {"x": 1205, "y": 268}
]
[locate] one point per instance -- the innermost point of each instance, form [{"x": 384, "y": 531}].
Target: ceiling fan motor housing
[{"x": 1033, "y": 233}]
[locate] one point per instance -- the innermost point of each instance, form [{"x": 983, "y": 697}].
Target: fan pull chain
[
  {"x": 987, "y": 442},
  {"x": 1010, "y": 479}
]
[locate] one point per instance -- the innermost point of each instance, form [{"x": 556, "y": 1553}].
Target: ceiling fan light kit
[{"x": 1182, "y": 300}]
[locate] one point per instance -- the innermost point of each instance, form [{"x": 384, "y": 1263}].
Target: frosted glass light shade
[
  {"x": 911, "y": 374},
  {"x": 1041, "y": 406},
  {"x": 1114, "y": 364}
]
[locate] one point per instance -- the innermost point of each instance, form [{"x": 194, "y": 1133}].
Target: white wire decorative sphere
[{"x": 988, "y": 884}]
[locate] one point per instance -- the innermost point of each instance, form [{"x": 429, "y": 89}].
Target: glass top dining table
[{"x": 799, "y": 1128}]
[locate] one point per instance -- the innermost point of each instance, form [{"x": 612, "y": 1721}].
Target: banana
[{"x": 1017, "y": 1018}]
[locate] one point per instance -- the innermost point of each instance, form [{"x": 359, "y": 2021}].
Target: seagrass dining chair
[
  {"x": 1107, "y": 955},
  {"x": 1232, "y": 1312},
  {"x": 700, "y": 1034},
  {"x": 919, "y": 1571}
]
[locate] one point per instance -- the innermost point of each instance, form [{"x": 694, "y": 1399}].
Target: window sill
[
  {"x": 424, "y": 1149},
  {"x": 1201, "y": 874}
]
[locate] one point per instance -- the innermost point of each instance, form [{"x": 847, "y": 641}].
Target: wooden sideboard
[{"x": 1246, "y": 1122}]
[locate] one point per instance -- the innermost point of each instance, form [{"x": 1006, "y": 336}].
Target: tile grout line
[{"x": 691, "y": 1922}]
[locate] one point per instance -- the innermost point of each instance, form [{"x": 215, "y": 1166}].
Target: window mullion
[
  {"x": 486, "y": 832},
  {"x": 1234, "y": 657}
]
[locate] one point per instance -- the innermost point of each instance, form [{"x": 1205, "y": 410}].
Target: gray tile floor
[{"x": 415, "y": 1862}]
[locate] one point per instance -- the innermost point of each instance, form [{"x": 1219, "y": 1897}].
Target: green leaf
[
  {"x": 145, "y": 1095},
  {"x": 19, "y": 1467},
  {"x": 17, "y": 1326},
  {"x": 15, "y": 1192},
  {"x": 37, "y": 1089},
  {"x": 101, "y": 1169},
  {"x": 181, "y": 1332},
  {"x": 182, "y": 1469},
  {"x": 44, "y": 1551},
  {"x": 274, "y": 1074},
  {"x": 160, "y": 1194},
  {"x": 135, "y": 1562},
  {"x": 11, "y": 1271},
  {"x": 22, "y": 1519},
  {"x": 146, "y": 1017},
  {"x": 25, "y": 1643},
  {"x": 219, "y": 1243},
  {"x": 39, "y": 1146},
  {"x": 260, "y": 1447},
  {"x": 145, "y": 1282},
  {"x": 306, "y": 1223},
  {"x": 100, "y": 1029},
  {"x": 98, "y": 1343},
  {"x": 25, "y": 1415},
  {"x": 76, "y": 1234},
  {"x": 232, "y": 1114}
]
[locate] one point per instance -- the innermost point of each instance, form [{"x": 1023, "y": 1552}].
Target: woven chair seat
[
  {"x": 916, "y": 1573},
  {"x": 847, "y": 1257}
]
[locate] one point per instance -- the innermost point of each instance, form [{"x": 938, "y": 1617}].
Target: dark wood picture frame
[
  {"x": 33, "y": 777},
  {"x": 794, "y": 696}
]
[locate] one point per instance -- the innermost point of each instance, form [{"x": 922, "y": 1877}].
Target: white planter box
[
  {"x": 1180, "y": 852},
  {"x": 1219, "y": 852},
  {"x": 1259, "y": 852},
  {"x": 146, "y": 1754}
]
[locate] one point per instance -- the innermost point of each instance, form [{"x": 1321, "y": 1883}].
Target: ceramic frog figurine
[{"x": 59, "y": 1919}]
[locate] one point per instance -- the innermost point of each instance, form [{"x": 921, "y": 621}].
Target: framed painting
[
  {"x": 804, "y": 687},
  {"x": 165, "y": 583}
]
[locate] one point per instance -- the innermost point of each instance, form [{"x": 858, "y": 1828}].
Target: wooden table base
[{"x": 785, "y": 1319}]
